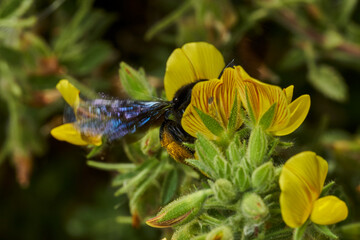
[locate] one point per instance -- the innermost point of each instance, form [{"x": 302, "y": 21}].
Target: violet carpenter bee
[{"x": 116, "y": 118}]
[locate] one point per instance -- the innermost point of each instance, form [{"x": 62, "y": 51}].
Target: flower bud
[
  {"x": 188, "y": 231},
  {"x": 263, "y": 177},
  {"x": 253, "y": 208},
  {"x": 180, "y": 211},
  {"x": 242, "y": 179},
  {"x": 220, "y": 233},
  {"x": 150, "y": 143},
  {"x": 257, "y": 147},
  {"x": 224, "y": 190}
]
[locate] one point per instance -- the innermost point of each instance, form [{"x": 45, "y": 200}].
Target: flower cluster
[
  {"x": 216, "y": 97},
  {"x": 241, "y": 176}
]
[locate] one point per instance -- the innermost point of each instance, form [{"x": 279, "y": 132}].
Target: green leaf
[
  {"x": 139, "y": 177},
  {"x": 121, "y": 167},
  {"x": 135, "y": 83},
  {"x": 141, "y": 187},
  {"x": 350, "y": 231},
  {"x": 210, "y": 123},
  {"x": 169, "y": 186},
  {"x": 293, "y": 59},
  {"x": 325, "y": 230},
  {"x": 329, "y": 82},
  {"x": 11, "y": 56},
  {"x": 14, "y": 8},
  {"x": 95, "y": 54},
  {"x": 249, "y": 108},
  {"x": 268, "y": 117},
  {"x": 168, "y": 20}
]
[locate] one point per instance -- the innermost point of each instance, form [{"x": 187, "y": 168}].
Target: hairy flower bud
[
  {"x": 257, "y": 147},
  {"x": 263, "y": 177},
  {"x": 150, "y": 143},
  {"x": 254, "y": 208},
  {"x": 180, "y": 211},
  {"x": 220, "y": 233},
  {"x": 224, "y": 190}
]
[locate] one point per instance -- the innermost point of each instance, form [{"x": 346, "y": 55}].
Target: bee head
[{"x": 182, "y": 99}]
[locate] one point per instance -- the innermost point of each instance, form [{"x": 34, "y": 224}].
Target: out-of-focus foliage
[{"x": 313, "y": 44}]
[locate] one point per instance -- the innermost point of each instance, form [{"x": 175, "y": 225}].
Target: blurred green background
[{"x": 46, "y": 189}]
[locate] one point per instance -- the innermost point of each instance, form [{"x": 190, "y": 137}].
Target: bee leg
[{"x": 172, "y": 135}]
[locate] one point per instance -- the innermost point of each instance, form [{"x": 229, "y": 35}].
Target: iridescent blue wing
[{"x": 117, "y": 118}]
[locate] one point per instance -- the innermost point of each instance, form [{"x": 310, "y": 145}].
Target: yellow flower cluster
[{"x": 215, "y": 97}]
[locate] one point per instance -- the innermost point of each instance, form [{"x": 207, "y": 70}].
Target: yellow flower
[
  {"x": 301, "y": 181},
  {"x": 215, "y": 98},
  {"x": 288, "y": 114},
  {"x": 194, "y": 61},
  {"x": 69, "y": 132}
]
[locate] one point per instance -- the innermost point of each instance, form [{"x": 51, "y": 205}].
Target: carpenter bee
[{"x": 115, "y": 119}]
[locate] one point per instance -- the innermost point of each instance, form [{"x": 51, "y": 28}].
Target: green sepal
[
  {"x": 222, "y": 167},
  {"x": 267, "y": 118},
  {"x": 211, "y": 124},
  {"x": 300, "y": 231},
  {"x": 325, "y": 230},
  {"x": 207, "y": 151},
  {"x": 135, "y": 83},
  {"x": 234, "y": 118},
  {"x": 201, "y": 166},
  {"x": 95, "y": 151},
  {"x": 241, "y": 179},
  {"x": 233, "y": 154},
  {"x": 326, "y": 188}
]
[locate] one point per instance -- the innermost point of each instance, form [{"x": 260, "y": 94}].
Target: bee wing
[{"x": 117, "y": 118}]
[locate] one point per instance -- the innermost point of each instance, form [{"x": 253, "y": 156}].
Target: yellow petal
[
  {"x": 68, "y": 132},
  {"x": 202, "y": 97},
  {"x": 261, "y": 97},
  {"x": 301, "y": 181},
  {"x": 289, "y": 93},
  {"x": 329, "y": 210},
  {"x": 205, "y": 58},
  {"x": 215, "y": 98},
  {"x": 298, "y": 112},
  {"x": 69, "y": 92},
  {"x": 194, "y": 61},
  {"x": 295, "y": 200}
]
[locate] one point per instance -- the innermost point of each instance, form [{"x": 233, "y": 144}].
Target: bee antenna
[{"x": 230, "y": 64}]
